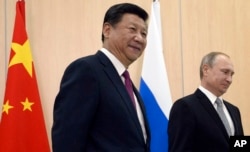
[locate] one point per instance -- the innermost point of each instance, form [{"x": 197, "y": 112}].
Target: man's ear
[
  {"x": 205, "y": 69},
  {"x": 106, "y": 29}
]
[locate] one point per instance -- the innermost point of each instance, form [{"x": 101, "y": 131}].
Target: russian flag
[{"x": 154, "y": 85}]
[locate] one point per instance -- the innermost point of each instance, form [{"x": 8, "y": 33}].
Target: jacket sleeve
[
  {"x": 181, "y": 128},
  {"x": 74, "y": 108}
]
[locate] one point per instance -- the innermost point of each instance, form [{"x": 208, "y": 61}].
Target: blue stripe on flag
[{"x": 157, "y": 120}]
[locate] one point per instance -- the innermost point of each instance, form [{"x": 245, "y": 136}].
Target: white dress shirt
[
  {"x": 120, "y": 69},
  {"x": 212, "y": 99}
]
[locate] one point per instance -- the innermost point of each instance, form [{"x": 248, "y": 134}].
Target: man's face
[
  {"x": 127, "y": 39},
  {"x": 219, "y": 77}
]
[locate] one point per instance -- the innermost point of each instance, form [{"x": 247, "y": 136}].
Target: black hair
[{"x": 115, "y": 13}]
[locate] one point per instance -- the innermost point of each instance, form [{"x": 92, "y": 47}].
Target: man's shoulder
[
  {"x": 192, "y": 99},
  {"x": 189, "y": 97},
  {"x": 186, "y": 100},
  {"x": 86, "y": 59},
  {"x": 228, "y": 104}
]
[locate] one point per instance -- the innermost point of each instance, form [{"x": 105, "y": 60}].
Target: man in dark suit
[
  {"x": 93, "y": 110},
  {"x": 194, "y": 124}
]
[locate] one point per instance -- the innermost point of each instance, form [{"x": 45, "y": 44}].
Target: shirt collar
[
  {"x": 209, "y": 94},
  {"x": 117, "y": 64}
]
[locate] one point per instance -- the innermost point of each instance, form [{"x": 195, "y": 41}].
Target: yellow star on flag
[
  {"x": 27, "y": 105},
  {"x": 6, "y": 107},
  {"x": 22, "y": 55}
]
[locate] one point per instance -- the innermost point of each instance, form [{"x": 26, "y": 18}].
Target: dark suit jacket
[
  {"x": 195, "y": 126},
  {"x": 93, "y": 111}
]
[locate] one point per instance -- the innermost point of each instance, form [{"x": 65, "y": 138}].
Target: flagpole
[
  {"x": 22, "y": 108},
  {"x": 154, "y": 89},
  {"x": 5, "y": 39},
  {"x": 181, "y": 46}
]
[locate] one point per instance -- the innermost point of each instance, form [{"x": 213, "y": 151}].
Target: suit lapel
[
  {"x": 236, "y": 120},
  {"x": 142, "y": 106},
  {"x": 116, "y": 80},
  {"x": 114, "y": 77},
  {"x": 211, "y": 111}
]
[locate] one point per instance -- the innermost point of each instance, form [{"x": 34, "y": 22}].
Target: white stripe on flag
[{"x": 154, "y": 85}]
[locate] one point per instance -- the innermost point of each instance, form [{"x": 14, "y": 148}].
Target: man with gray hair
[{"x": 203, "y": 121}]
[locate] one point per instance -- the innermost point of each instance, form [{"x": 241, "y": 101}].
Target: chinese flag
[{"x": 22, "y": 127}]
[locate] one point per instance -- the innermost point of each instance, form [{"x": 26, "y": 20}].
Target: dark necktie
[
  {"x": 128, "y": 85},
  {"x": 222, "y": 115}
]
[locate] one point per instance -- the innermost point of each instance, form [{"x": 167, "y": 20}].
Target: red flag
[{"x": 22, "y": 127}]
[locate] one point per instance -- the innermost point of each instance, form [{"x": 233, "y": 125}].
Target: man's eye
[
  {"x": 144, "y": 34},
  {"x": 227, "y": 72},
  {"x": 132, "y": 29}
]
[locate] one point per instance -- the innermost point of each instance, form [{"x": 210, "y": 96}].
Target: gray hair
[{"x": 209, "y": 60}]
